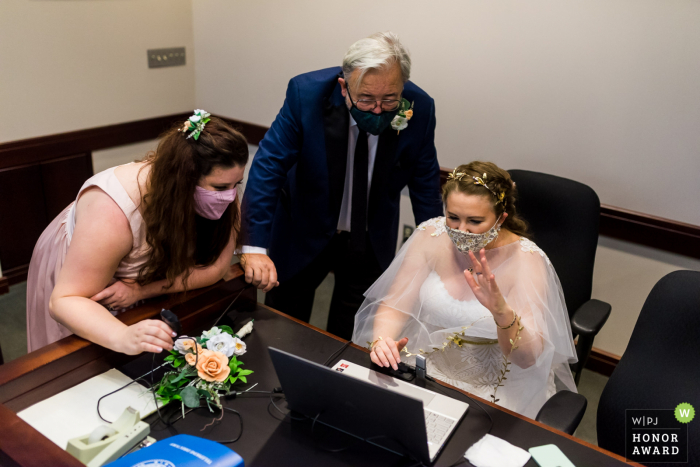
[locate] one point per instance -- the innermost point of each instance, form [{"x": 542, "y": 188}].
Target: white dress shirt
[{"x": 346, "y": 204}]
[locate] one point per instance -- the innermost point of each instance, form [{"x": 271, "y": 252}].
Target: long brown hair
[
  {"x": 179, "y": 239},
  {"x": 499, "y": 181}
]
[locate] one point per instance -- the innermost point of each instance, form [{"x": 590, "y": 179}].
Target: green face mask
[{"x": 370, "y": 122}]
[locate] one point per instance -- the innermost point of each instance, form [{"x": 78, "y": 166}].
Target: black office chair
[
  {"x": 564, "y": 217},
  {"x": 659, "y": 368}
]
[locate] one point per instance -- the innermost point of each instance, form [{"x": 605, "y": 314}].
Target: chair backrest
[
  {"x": 659, "y": 368},
  {"x": 563, "y": 215}
]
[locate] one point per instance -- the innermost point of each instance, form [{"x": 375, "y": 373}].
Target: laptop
[{"x": 384, "y": 411}]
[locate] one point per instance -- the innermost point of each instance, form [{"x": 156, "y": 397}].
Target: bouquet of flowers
[{"x": 204, "y": 367}]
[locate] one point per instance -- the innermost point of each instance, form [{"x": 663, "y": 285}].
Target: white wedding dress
[{"x": 424, "y": 296}]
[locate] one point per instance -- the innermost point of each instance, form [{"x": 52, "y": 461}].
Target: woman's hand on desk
[
  {"x": 149, "y": 335},
  {"x": 386, "y": 352},
  {"x": 119, "y": 295}
]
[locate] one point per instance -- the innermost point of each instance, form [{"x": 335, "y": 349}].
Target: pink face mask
[{"x": 212, "y": 204}]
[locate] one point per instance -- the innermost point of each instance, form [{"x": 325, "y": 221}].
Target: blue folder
[{"x": 182, "y": 451}]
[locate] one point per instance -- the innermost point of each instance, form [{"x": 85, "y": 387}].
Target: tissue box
[{"x": 182, "y": 451}]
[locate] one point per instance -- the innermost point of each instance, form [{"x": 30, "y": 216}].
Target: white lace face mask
[{"x": 466, "y": 241}]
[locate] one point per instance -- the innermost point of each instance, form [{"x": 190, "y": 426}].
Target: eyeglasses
[{"x": 368, "y": 105}]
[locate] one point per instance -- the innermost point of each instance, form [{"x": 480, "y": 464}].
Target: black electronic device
[
  {"x": 379, "y": 416},
  {"x": 171, "y": 320},
  {"x": 420, "y": 367}
]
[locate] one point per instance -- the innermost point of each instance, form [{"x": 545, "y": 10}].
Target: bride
[{"x": 476, "y": 297}]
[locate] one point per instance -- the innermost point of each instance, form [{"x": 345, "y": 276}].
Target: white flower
[
  {"x": 211, "y": 333},
  {"x": 399, "y": 123},
  {"x": 239, "y": 346},
  {"x": 180, "y": 342},
  {"x": 245, "y": 330},
  {"x": 224, "y": 343},
  {"x": 195, "y": 118}
]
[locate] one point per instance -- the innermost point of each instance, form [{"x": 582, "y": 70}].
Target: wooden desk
[{"x": 266, "y": 440}]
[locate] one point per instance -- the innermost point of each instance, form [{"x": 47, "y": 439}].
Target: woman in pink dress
[{"x": 166, "y": 224}]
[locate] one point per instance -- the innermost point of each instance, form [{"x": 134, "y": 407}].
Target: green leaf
[
  {"x": 169, "y": 358},
  {"x": 233, "y": 378},
  {"x": 244, "y": 372},
  {"x": 190, "y": 397},
  {"x": 178, "y": 363},
  {"x": 243, "y": 378},
  {"x": 204, "y": 393},
  {"x": 226, "y": 329}
]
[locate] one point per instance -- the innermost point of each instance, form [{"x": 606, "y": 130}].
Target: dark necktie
[{"x": 358, "y": 213}]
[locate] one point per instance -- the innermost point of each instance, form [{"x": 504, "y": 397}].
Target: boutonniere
[{"x": 401, "y": 119}]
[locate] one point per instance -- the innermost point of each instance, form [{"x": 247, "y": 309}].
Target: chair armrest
[
  {"x": 590, "y": 318},
  {"x": 563, "y": 411}
]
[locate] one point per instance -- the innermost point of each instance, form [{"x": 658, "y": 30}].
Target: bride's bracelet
[{"x": 515, "y": 317}]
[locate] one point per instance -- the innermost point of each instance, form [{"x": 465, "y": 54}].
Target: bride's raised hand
[
  {"x": 386, "y": 352},
  {"x": 483, "y": 283}
]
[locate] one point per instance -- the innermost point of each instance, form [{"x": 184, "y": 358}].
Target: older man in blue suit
[{"x": 324, "y": 188}]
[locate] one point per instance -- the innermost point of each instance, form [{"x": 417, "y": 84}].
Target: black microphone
[{"x": 171, "y": 320}]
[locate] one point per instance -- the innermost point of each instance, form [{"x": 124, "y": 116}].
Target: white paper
[
  {"x": 73, "y": 412},
  {"x": 491, "y": 451}
]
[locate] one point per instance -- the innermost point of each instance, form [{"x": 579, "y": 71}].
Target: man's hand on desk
[{"x": 259, "y": 271}]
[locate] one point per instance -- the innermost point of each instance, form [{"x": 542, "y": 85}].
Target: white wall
[
  {"x": 70, "y": 65},
  {"x": 599, "y": 91}
]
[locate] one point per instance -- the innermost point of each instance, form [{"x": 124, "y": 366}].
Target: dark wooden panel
[
  {"x": 4, "y": 285},
  {"x": 45, "y": 148},
  {"x": 253, "y": 133},
  {"x": 22, "y": 445},
  {"x": 17, "y": 274},
  {"x": 656, "y": 232},
  {"x": 22, "y": 214},
  {"x": 62, "y": 179},
  {"x": 602, "y": 362}
]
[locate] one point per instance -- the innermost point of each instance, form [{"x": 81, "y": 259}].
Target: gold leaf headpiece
[
  {"x": 500, "y": 197},
  {"x": 456, "y": 175}
]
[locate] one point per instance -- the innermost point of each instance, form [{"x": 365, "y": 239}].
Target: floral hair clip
[{"x": 195, "y": 124}]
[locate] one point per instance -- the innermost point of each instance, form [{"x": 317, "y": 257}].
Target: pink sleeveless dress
[{"x": 50, "y": 252}]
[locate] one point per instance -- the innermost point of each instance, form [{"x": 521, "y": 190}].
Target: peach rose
[
  {"x": 188, "y": 344},
  {"x": 409, "y": 114},
  {"x": 191, "y": 359},
  {"x": 213, "y": 366}
]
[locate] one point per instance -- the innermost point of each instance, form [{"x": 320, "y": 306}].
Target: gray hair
[{"x": 377, "y": 51}]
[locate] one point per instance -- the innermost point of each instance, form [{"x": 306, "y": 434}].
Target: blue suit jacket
[{"x": 295, "y": 185}]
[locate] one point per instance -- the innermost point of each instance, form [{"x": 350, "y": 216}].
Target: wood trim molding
[
  {"x": 656, "y": 232},
  {"x": 4, "y": 285},
  {"x": 43, "y": 148},
  {"x": 642, "y": 229},
  {"x": 15, "y": 275},
  {"x": 602, "y": 362}
]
